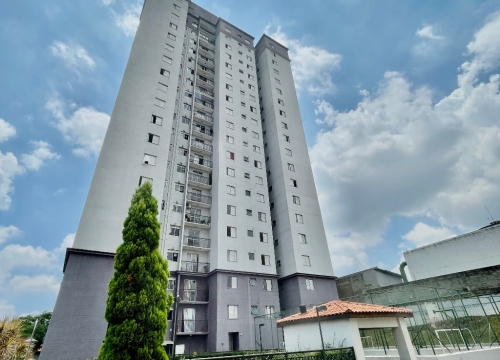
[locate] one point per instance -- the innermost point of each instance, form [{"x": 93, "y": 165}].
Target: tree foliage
[
  {"x": 138, "y": 302},
  {"x": 12, "y": 341},
  {"x": 41, "y": 327}
]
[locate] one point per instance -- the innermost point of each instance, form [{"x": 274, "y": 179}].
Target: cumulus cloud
[
  {"x": 34, "y": 284},
  {"x": 67, "y": 242},
  {"x": 429, "y": 43},
  {"x": 83, "y": 127},
  {"x": 9, "y": 168},
  {"x": 427, "y": 32},
  {"x": 400, "y": 153},
  {"x": 128, "y": 21},
  {"x": 423, "y": 234},
  {"x": 7, "y": 232},
  {"x": 37, "y": 158},
  {"x": 6, "y": 308},
  {"x": 74, "y": 56},
  {"x": 311, "y": 65},
  {"x": 6, "y": 130}
]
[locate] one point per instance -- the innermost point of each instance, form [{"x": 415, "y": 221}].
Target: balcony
[
  {"x": 205, "y": 61},
  {"x": 208, "y": 41},
  {"x": 201, "y": 163},
  {"x": 199, "y": 181},
  {"x": 194, "y": 296},
  {"x": 191, "y": 327},
  {"x": 204, "y": 118},
  {"x": 199, "y": 200},
  {"x": 203, "y": 132},
  {"x": 203, "y": 105},
  {"x": 198, "y": 221},
  {"x": 204, "y": 81},
  {"x": 202, "y": 147},
  {"x": 196, "y": 242},
  {"x": 206, "y": 51},
  {"x": 195, "y": 267},
  {"x": 205, "y": 92},
  {"x": 206, "y": 71}
]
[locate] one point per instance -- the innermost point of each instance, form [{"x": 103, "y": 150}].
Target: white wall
[{"x": 474, "y": 250}]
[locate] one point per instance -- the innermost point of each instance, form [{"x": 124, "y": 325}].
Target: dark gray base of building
[
  {"x": 78, "y": 327},
  {"x": 293, "y": 291}
]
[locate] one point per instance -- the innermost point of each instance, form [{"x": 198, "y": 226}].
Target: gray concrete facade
[
  {"x": 294, "y": 291},
  {"x": 369, "y": 279}
]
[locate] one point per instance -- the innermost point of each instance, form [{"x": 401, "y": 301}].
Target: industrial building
[
  {"x": 213, "y": 122},
  {"x": 360, "y": 282}
]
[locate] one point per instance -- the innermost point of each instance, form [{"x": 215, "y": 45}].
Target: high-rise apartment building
[{"x": 214, "y": 124}]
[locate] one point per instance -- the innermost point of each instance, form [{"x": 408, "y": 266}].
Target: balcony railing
[
  {"x": 196, "y": 242},
  {"x": 207, "y": 59},
  {"x": 197, "y": 267},
  {"x": 207, "y": 39},
  {"x": 201, "y": 161},
  {"x": 202, "y": 146},
  {"x": 204, "y": 103},
  {"x": 207, "y": 49},
  {"x": 204, "y": 91},
  {"x": 198, "y": 219},
  {"x": 199, "y": 198},
  {"x": 194, "y": 295},
  {"x": 206, "y": 69},
  {"x": 187, "y": 326},
  {"x": 207, "y": 80},
  {"x": 204, "y": 117},
  {"x": 200, "y": 179}
]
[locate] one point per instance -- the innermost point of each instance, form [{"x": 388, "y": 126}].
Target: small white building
[{"x": 340, "y": 323}]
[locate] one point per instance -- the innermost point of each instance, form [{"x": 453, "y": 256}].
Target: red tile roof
[{"x": 339, "y": 307}]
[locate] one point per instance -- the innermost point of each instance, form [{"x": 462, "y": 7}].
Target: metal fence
[{"x": 332, "y": 354}]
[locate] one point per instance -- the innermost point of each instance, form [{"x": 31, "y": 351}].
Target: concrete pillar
[
  {"x": 403, "y": 341},
  {"x": 356, "y": 340}
]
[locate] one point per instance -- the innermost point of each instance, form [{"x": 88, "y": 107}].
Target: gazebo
[{"x": 341, "y": 321}]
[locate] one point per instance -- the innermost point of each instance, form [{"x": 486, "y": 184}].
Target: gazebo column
[
  {"x": 403, "y": 341},
  {"x": 356, "y": 339}
]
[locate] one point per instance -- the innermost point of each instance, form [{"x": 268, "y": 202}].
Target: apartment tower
[{"x": 213, "y": 122}]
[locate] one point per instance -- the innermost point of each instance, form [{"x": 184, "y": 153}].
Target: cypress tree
[{"x": 138, "y": 301}]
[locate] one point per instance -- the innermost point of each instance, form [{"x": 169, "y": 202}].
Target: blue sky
[{"x": 400, "y": 103}]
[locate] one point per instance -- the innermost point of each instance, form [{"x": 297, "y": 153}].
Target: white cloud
[
  {"x": 84, "y": 128},
  {"x": 67, "y": 242},
  {"x": 9, "y": 168},
  {"x": 60, "y": 192},
  {"x": 129, "y": 20},
  {"x": 34, "y": 284},
  {"x": 7, "y": 232},
  {"x": 107, "y": 2},
  {"x": 74, "y": 56},
  {"x": 427, "y": 32},
  {"x": 423, "y": 234},
  {"x": 37, "y": 158},
  {"x": 311, "y": 65},
  {"x": 399, "y": 153},
  {"x": 6, "y": 308},
  {"x": 6, "y": 130}
]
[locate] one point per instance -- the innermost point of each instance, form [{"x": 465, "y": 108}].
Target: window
[
  {"x": 275, "y": 62},
  {"x": 250, "y": 233},
  {"x": 247, "y": 175},
  {"x": 249, "y": 58},
  {"x": 232, "y": 282},
  {"x": 175, "y": 16},
  {"x": 268, "y": 285},
  {"x": 254, "y": 310},
  {"x": 254, "y": 122},
  {"x": 182, "y": 151},
  {"x": 160, "y": 103},
  {"x": 167, "y": 59},
  {"x": 228, "y": 47},
  {"x": 282, "y": 113},
  {"x": 228, "y": 56},
  {"x": 265, "y": 260},
  {"x": 231, "y": 231},
  {"x": 276, "y": 242},
  {"x": 309, "y": 284},
  {"x": 230, "y": 155},
  {"x": 256, "y": 149},
  {"x": 253, "y": 281},
  {"x": 293, "y": 182},
  {"x": 260, "y": 198},
  {"x": 246, "y": 159},
  {"x": 241, "y": 71},
  {"x": 179, "y": 187},
  {"x": 255, "y": 135},
  {"x": 259, "y": 180},
  {"x": 230, "y": 190},
  {"x": 171, "y": 36},
  {"x": 177, "y": 207},
  {"x": 229, "y": 66},
  {"x": 253, "y": 109},
  {"x": 302, "y": 239},
  {"x": 257, "y": 164},
  {"x": 173, "y": 26},
  {"x": 172, "y": 256},
  {"x": 278, "y": 263},
  {"x": 287, "y": 138},
  {"x": 291, "y": 167},
  {"x": 149, "y": 159},
  {"x": 288, "y": 152},
  {"x": 263, "y": 237},
  {"x": 243, "y": 104},
  {"x": 262, "y": 216},
  {"x": 299, "y": 218},
  {"x": 230, "y": 125},
  {"x": 231, "y": 210},
  {"x": 251, "y": 77},
  {"x": 229, "y": 87},
  {"x": 228, "y": 30},
  {"x": 249, "y": 212},
  {"x": 230, "y": 139},
  {"x": 169, "y": 47},
  {"x": 229, "y": 98},
  {"x": 171, "y": 284},
  {"x": 245, "y": 143},
  {"x": 230, "y": 172},
  {"x": 185, "y": 120},
  {"x": 243, "y": 116},
  {"x": 296, "y": 200},
  {"x": 306, "y": 261},
  {"x": 279, "y": 91},
  {"x": 229, "y": 76},
  {"x": 232, "y": 256},
  {"x": 248, "y": 193},
  {"x": 187, "y": 106},
  {"x": 229, "y": 111},
  {"x": 144, "y": 179},
  {"x": 175, "y": 230},
  {"x": 281, "y": 102},
  {"x": 247, "y": 41},
  {"x": 165, "y": 72},
  {"x": 241, "y": 81},
  {"x": 244, "y": 129},
  {"x": 153, "y": 139},
  {"x": 251, "y": 87},
  {"x": 250, "y": 67},
  {"x": 276, "y": 72},
  {"x": 177, "y": 7},
  {"x": 232, "y": 311}
]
